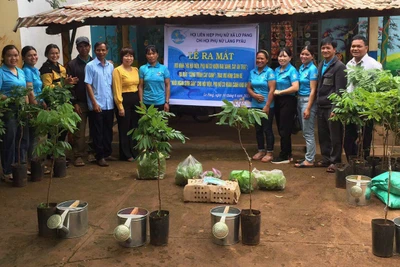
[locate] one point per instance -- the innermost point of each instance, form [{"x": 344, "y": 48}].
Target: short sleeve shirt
[
  {"x": 154, "y": 83},
  {"x": 100, "y": 78},
  {"x": 285, "y": 78},
  {"x": 259, "y": 83},
  {"x": 9, "y": 80},
  {"x": 32, "y": 75},
  {"x": 307, "y": 73},
  {"x": 366, "y": 63}
]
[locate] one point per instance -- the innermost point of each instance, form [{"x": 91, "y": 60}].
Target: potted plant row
[
  {"x": 238, "y": 116},
  {"x": 19, "y": 106},
  {"x": 152, "y": 136},
  {"x": 377, "y": 98}
]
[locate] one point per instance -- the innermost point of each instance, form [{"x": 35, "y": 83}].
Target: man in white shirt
[{"x": 359, "y": 49}]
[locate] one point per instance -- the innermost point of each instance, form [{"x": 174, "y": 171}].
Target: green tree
[
  {"x": 153, "y": 135},
  {"x": 238, "y": 116}
]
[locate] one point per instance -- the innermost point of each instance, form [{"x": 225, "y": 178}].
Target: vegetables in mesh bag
[
  {"x": 147, "y": 168},
  {"x": 214, "y": 173},
  {"x": 242, "y": 177},
  {"x": 190, "y": 168},
  {"x": 269, "y": 180}
]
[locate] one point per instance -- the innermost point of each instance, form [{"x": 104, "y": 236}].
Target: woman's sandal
[
  {"x": 303, "y": 165},
  {"x": 331, "y": 168},
  {"x": 259, "y": 155},
  {"x": 267, "y": 158},
  {"x": 321, "y": 164}
]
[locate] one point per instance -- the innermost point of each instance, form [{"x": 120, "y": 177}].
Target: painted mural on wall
[
  {"x": 109, "y": 35},
  {"x": 341, "y": 30},
  {"x": 393, "y": 45}
]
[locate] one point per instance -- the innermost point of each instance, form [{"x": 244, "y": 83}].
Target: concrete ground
[{"x": 308, "y": 224}]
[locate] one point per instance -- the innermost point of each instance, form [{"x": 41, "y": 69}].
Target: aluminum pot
[
  {"x": 138, "y": 226},
  {"x": 358, "y": 190},
  {"x": 76, "y": 222},
  {"x": 232, "y": 220}
]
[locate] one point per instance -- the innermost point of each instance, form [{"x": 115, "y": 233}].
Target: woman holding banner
[
  {"x": 261, "y": 87},
  {"x": 154, "y": 81}
]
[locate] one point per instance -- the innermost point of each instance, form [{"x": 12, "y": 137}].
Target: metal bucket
[
  {"x": 232, "y": 220},
  {"x": 138, "y": 227},
  {"x": 358, "y": 191},
  {"x": 76, "y": 220},
  {"x": 397, "y": 231}
]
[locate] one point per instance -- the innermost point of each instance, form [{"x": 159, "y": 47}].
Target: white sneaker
[{"x": 7, "y": 178}]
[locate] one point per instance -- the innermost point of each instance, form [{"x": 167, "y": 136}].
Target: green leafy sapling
[
  {"x": 53, "y": 122},
  {"x": 375, "y": 97},
  {"x": 238, "y": 116},
  {"x": 153, "y": 135},
  {"x": 3, "y": 111},
  {"x": 18, "y": 100}
]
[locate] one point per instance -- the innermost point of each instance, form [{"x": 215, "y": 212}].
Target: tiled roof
[{"x": 149, "y": 9}]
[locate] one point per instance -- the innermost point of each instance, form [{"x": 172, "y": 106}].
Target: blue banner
[{"x": 209, "y": 64}]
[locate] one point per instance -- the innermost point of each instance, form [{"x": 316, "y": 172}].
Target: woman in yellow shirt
[{"x": 126, "y": 98}]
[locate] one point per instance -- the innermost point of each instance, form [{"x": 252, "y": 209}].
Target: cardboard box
[{"x": 197, "y": 190}]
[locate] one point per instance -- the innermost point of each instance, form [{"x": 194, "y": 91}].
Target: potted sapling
[
  {"x": 152, "y": 136},
  {"x": 384, "y": 109},
  {"x": 54, "y": 121},
  {"x": 238, "y": 116},
  {"x": 18, "y": 100},
  {"x": 54, "y": 97}
]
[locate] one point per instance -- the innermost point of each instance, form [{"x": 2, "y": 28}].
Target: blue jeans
[
  {"x": 307, "y": 126},
  {"x": 264, "y": 132}
]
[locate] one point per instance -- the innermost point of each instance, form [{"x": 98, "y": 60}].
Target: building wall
[
  {"x": 36, "y": 36},
  {"x": 341, "y": 30},
  {"x": 8, "y": 14}
]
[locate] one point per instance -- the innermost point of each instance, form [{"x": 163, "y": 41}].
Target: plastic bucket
[
  {"x": 76, "y": 220},
  {"x": 382, "y": 237},
  {"x": 138, "y": 227},
  {"x": 232, "y": 220},
  {"x": 397, "y": 233},
  {"x": 354, "y": 185}
]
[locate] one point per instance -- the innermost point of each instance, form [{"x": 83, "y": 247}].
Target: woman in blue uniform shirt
[
  {"x": 33, "y": 81},
  {"x": 306, "y": 106},
  {"x": 261, "y": 87},
  {"x": 287, "y": 85},
  {"x": 154, "y": 81},
  {"x": 10, "y": 77}
]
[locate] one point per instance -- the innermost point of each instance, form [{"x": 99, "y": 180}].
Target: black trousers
[
  {"x": 330, "y": 135},
  {"x": 351, "y": 136},
  {"x": 102, "y": 123},
  {"x": 126, "y": 123},
  {"x": 285, "y": 109}
]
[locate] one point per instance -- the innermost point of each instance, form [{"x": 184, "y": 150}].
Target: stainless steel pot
[
  {"x": 138, "y": 226},
  {"x": 232, "y": 220},
  {"x": 76, "y": 221}
]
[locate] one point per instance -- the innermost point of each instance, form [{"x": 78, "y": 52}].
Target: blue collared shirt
[
  {"x": 9, "y": 80},
  {"x": 100, "y": 78},
  {"x": 326, "y": 65},
  {"x": 285, "y": 78},
  {"x": 307, "y": 73},
  {"x": 259, "y": 83},
  {"x": 154, "y": 83},
  {"x": 32, "y": 75}
]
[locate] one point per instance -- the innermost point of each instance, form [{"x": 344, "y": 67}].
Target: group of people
[
  {"x": 285, "y": 91},
  {"x": 98, "y": 91}
]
